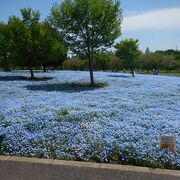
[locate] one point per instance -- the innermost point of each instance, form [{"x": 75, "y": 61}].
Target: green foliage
[
  {"x": 94, "y": 21},
  {"x": 102, "y": 61},
  {"x": 5, "y": 47},
  {"x": 168, "y": 52},
  {"x": 107, "y": 61},
  {"x": 170, "y": 59},
  {"x": 115, "y": 64},
  {"x": 25, "y": 36},
  {"x": 30, "y": 16},
  {"x": 177, "y": 62},
  {"x": 75, "y": 64},
  {"x": 128, "y": 51},
  {"x": 151, "y": 61},
  {"x": 53, "y": 49},
  {"x": 88, "y": 25},
  {"x": 34, "y": 43},
  {"x": 169, "y": 62}
]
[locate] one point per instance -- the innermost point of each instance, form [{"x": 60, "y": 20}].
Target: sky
[{"x": 155, "y": 23}]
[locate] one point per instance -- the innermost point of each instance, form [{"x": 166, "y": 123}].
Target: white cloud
[{"x": 162, "y": 19}]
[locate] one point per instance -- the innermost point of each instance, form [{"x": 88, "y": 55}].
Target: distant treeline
[{"x": 167, "y": 60}]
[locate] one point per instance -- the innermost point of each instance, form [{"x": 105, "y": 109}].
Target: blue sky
[{"x": 155, "y": 23}]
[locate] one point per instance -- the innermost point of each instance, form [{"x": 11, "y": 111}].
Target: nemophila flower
[{"x": 121, "y": 121}]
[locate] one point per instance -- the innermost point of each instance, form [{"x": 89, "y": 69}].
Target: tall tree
[
  {"x": 35, "y": 43},
  {"x": 88, "y": 25},
  {"x": 26, "y": 37},
  {"x": 128, "y": 51},
  {"x": 5, "y": 46}
]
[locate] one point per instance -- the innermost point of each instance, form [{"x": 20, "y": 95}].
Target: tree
[
  {"x": 5, "y": 46},
  {"x": 101, "y": 61},
  {"x": 177, "y": 61},
  {"x": 53, "y": 49},
  {"x": 26, "y": 37},
  {"x": 35, "y": 43},
  {"x": 151, "y": 61},
  {"x": 147, "y": 61},
  {"x": 169, "y": 62},
  {"x": 167, "y": 52},
  {"x": 88, "y": 25},
  {"x": 128, "y": 51},
  {"x": 74, "y": 64},
  {"x": 115, "y": 64}
]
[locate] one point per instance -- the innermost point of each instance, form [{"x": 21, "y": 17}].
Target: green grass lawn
[{"x": 162, "y": 72}]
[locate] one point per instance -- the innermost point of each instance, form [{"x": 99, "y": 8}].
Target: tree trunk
[
  {"x": 32, "y": 73},
  {"x": 6, "y": 65},
  {"x": 90, "y": 64},
  {"x": 132, "y": 71},
  {"x": 44, "y": 68}
]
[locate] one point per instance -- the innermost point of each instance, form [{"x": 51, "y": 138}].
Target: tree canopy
[
  {"x": 26, "y": 36},
  {"x": 128, "y": 51},
  {"x": 5, "y": 46},
  {"x": 35, "y": 43},
  {"x": 88, "y": 25}
]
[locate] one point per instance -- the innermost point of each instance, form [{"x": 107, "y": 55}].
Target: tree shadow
[
  {"x": 120, "y": 76},
  {"x": 64, "y": 87},
  {"x": 23, "y": 78}
]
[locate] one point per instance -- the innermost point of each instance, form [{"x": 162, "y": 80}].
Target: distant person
[
  {"x": 157, "y": 71},
  {"x": 154, "y": 71}
]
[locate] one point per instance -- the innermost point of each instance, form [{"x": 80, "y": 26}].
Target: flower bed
[{"x": 121, "y": 122}]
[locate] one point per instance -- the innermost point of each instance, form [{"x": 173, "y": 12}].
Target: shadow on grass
[
  {"x": 120, "y": 76},
  {"x": 66, "y": 87},
  {"x": 23, "y": 78}
]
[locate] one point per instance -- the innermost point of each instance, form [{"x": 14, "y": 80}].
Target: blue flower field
[{"x": 120, "y": 122}]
